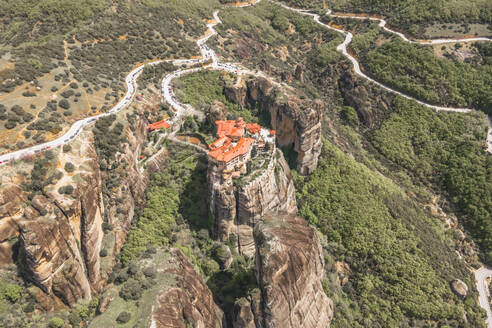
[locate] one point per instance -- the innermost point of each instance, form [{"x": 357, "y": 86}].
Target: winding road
[
  {"x": 481, "y": 277},
  {"x": 210, "y": 60},
  {"x": 207, "y": 55}
]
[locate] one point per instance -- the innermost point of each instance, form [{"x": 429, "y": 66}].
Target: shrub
[
  {"x": 67, "y": 148},
  {"x": 123, "y": 317},
  {"x": 43, "y": 212},
  {"x": 122, "y": 277},
  {"x": 27, "y": 117},
  {"x": 69, "y": 167},
  {"x": 56, "y": 322},
  {"x": 29, "y": 94},
  {"x": 67, "y": 190},
  {"x": 74, "y": 85},
  {"x": 64, "y": 104},
  {"x": 83, "y": 312},
  {"x": 349, "y": 115},
  {"x": 103, "y": 253},
  {"x": 133, "y": 268},
  {"x": 10, "y": 125},
  {"x": 67, "y": 93},
  {"x": 132, "y": 290},
  {"x": 29, "y": 308},
  {"x": 12, "y": 293},
  {"x": 149, "y": 272},
  {"x": 49, "y": 154},
  {"x": 74, "y": 319}
]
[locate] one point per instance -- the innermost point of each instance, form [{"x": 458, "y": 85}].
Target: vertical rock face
[
  {"x": 289, "y": 270},
  {"x": 297, "y": 121},
  {"x": 237, "y": 208},
  {"x": 52, "y": 257},
  {"x": 61, "y": 249},
  {"x": 189, "y": 303}
]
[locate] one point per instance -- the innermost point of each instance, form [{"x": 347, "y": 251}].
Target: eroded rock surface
[
  {"x": 189, "y": 302},
  {"x": 237, "y": 208},
  {"x": 61, "y": 236},
  {"x": 289, "y": 269},
  {"x": 297, "y": 121}
]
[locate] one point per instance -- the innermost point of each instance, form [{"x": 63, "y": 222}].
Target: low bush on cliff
[{"x": 390, "y": 245}]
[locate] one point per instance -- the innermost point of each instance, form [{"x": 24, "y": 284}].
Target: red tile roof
[
  {"x": 228, "y": 151},
  {"x": 230, "y": 128},
  {"x": 253, "y": 128},
  {"x": 219, "y": 143},
  {"x": 158, "y": 125}
]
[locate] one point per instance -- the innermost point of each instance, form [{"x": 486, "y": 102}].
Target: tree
[
  {"x": 64, "y": 104},
  {"x": 69, "y": 167},
  {"x": 123, "y": 317},
  {"x": 349, "y": 115},
  {"x": 132, "y": 290},
  {"x": 56, "y": 322},
  {"x": 12, "y": 293},
  {"x": 67, "y": 190}
]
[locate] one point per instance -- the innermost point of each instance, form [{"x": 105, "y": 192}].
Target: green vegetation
[
  {"x": 174, "y": 194},
  {"x": 412, "y": 15},
  {"x": 447, "y": 150},
  {"x": 11, "y": 292},
  {"x": 56, "y": 322},
  {"x": 417, "y": 71},
  {"x": 69, "y": 167},
  {"x": 400, "y": 269},
  {"x": 123, "y": 317},
  {"x": 202, "y": 88}
]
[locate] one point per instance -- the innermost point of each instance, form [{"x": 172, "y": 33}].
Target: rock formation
[
  {"x": 61, "y": 236},
  {"x": 297, "y": 121},
  {"x": 237, "y": 207},
  {"x": 289, "y": 270},
  {"x": 188, "y": 302}
]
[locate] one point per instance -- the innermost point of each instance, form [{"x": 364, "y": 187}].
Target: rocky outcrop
[
  {"x": 237, "y": 91},
  {"x": 297, "y": 121},
  {"x": 53, "y": 259},
  {"x": 299, "y": 73},
  {"x": 61, "y": 235},
  {"x": 237, "y": 207},
  {"x": 459, "y": 288},
  {"x": 189, "y": 302},
  {"x": 217, "y": 112},
  {"x": 289, "y": 269},
  {"x": 371, "y": 103}
]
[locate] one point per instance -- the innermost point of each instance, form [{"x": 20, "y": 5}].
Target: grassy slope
[
  {"x": 447, "y": 150},
  {"x": 400, "y": 258}
]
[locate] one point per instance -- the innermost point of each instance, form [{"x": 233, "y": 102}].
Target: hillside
[{"x": 272, "y": 170}]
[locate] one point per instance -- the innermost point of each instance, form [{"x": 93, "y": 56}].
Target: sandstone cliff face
[
  {"x": 289, "y": 270},
  {"x": 61, "y": 249},
  {"x": 237, "y": 208},
  {"x": 189, "y": 302},
  {"x": 297, "y": 121}
]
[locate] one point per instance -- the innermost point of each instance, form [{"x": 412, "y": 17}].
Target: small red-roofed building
[{"x": 158, "y": 125}]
